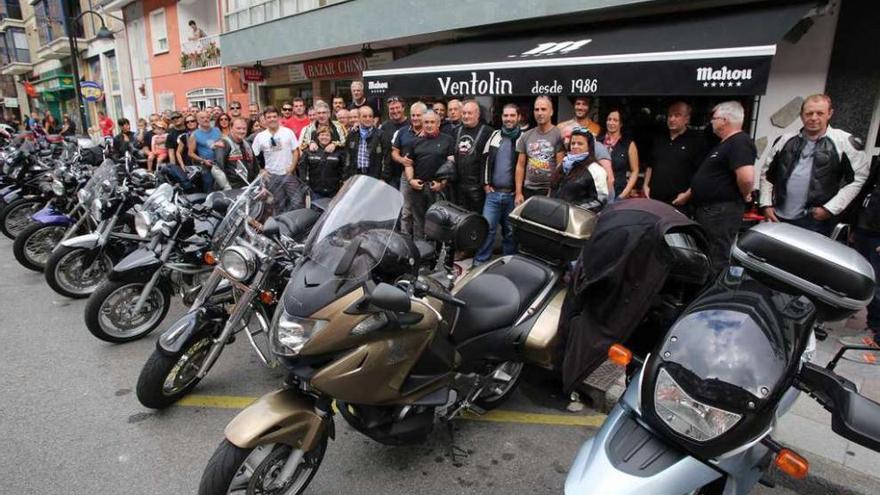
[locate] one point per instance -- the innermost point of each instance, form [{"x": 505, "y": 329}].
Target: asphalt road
[{"x": 71, "y": 424}]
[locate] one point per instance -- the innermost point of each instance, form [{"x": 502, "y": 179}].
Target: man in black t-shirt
[
  {"x": 428, "y": 153},
  {"x": 724, "y": 182},
  {"x": 675, "y": 156}
]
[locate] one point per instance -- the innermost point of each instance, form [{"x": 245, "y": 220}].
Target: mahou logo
[
  {"x": 552, "y": 48},
  {"x": 723, "y": 77}
]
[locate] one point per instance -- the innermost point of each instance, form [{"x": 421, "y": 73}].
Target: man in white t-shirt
[{"x": 280, "y": 150}]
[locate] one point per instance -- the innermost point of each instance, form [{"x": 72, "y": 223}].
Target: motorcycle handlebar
[{"x": 422, "y": 288}]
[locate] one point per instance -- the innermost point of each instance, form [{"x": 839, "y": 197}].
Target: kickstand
[{"x": 456, "y": 453}]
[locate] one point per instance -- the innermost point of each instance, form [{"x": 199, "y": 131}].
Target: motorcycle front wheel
[
  {"x": 110, "y": 315},
  {"x": 67, "y": 275},
  {"x": 35, "y": 243},
  {"x": 166, "y": 378},
  {"x": 233, "y": 470},
  {"x": 17, "y": 215}
]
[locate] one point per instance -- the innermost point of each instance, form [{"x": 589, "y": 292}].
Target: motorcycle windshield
[
  {"x": 352, "y": 236},
  {"x": 243, "y": 213},
  {"x": 103, "y": 179}
]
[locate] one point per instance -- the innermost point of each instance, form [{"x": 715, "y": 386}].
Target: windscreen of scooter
[{"x": 351, "y": 237}]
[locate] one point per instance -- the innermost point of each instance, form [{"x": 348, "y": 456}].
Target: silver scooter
[{"x": 698, "y": 414}]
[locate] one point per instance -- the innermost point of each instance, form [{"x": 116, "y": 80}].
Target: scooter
[{"x": 699, "y": 411}]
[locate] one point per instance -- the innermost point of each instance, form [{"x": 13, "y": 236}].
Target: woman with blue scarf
[{"x": 579, "y": 179}]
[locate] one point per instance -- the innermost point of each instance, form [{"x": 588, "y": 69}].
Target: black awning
[{"x": 725, "y": 53}]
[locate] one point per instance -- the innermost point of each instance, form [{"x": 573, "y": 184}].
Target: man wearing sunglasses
[
  {"x": 235, "y": 110},
  {"x": 280, "y": 150},
  {"x": 299, "y": 120}
]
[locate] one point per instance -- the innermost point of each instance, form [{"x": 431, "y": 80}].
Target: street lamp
[{"x": 102, "y": 34}]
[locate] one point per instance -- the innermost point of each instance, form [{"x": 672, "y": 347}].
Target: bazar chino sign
[
  {"x": 333, "y": 68},
  {"x": 733, "y": 76}
]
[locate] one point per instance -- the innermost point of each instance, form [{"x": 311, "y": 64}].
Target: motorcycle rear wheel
[
  {"x": 33, "y": 246},
  {"x": 165, "y": 378},
  {"x": 66, "y": 275},
  {"x": 103, "y": 313},
  {"x": 233, "y": 470},
  {"x": 503, "y": 388},
  {"x": 17, "y": 215}
]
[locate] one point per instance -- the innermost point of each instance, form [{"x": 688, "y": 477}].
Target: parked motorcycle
[
  {"x": 78, "y": 265},
  {"x": 62, "y": 217},
  {"x": 31, "y": 173},
  {"x": 254, "y": 262},
  {"x": 134, "y": 298},
  {"x": 698, "y": 414},
  {"x": 396, "y": 349}
]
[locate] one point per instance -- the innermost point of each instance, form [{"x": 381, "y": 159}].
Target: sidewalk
[{"x": 837, "y": 465}]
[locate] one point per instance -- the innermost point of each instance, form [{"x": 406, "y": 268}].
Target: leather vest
[{"x": 829, "y": 174}]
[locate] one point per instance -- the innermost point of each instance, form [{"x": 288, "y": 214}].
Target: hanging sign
[{"x": 91, "y": 91}]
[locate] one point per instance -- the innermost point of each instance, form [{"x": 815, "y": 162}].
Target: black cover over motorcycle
[{"x": 618, "y": 274}]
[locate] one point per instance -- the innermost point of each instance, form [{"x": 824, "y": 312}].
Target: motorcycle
[
  {"x": 78, "y": 265},
  {"x": 240, "y": 295},
  {"x": 136, "y": 294},
  {"x": 397, "y": 348},
  {"x": 62, "y": 217},
  {"x": 31, "y": 173},
  {"x": 699, "y": 411}
]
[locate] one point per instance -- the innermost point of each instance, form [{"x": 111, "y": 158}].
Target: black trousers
[
  {"x": 469, "y": 197},
  {"x": 721, "y": 221}
]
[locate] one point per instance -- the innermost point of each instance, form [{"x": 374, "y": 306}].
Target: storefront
[
  {"x": 321, "y": 78},
  {"x": 55, "y": 93}
]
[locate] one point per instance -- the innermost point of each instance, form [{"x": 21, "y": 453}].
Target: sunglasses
[
  {"x": 190, "y": 121},
  {"x": 272, "y": 141},
  {"x": 287, "y": 109},
  {"x": 392, "y": 99},
  {"x": 235, "y": 108}
]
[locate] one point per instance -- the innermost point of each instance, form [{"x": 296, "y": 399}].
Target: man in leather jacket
[
  {"x": 229, "y": 152},
  {"x": 367, "y": 150},
  {"x": 811, "y": 177},
  {"x": 470, "y": 144}
]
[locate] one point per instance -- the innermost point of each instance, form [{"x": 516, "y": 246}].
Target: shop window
[
  {"x": 112, "y": 71},
  {"x": 159, "y": 31}
]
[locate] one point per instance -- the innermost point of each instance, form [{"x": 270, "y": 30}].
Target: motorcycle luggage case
[
  {"x": 551, "y": 229},
  {"x": 446, "y": 222},
  {"x": 837, "y": 279}
]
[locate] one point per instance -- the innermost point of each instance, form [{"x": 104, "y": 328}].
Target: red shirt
[
  {"x": 106, "y": 126},
  {"x": 296, "y": 125}
]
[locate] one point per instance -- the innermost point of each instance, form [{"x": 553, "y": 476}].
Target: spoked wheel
[
  {"x": 110, "y": 312},
  {"x": 71, "y": 272},
  {"x": 504, "y": 379},
  {"x": 165, "y": 379},
  {"x": 233, "y": 470},
  {"x": 35, "y": 243},
  {"x": 17, "y": 215}
]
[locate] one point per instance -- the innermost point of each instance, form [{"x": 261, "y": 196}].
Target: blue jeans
[
  {"x": 207, "y": 180},
  {"x": 179, "y": 176},
  {"x": 867, "y": 244},
  {"x": 496, "y": 209}
]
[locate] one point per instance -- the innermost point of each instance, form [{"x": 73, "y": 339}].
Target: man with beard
[
  {"x": 498, "y": 183},
  {"x": 581, "y": 119},
  {"x": 470, "y": 142},
  {"x": 338, "y": 104},
  {"x": 453, "y": 117},
  {"x": 540, "y": 150}
]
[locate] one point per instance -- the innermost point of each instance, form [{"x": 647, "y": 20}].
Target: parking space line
[{"x": 496, "y": 416}]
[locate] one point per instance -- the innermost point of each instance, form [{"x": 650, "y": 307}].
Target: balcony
[
  {"x": 203, "y": 53},
  {"x": 10, "y": 15},
  {"x": 15, "y": 57},
  {"x": 51, "y": 32},
  {"x": 15, "y": 67}
]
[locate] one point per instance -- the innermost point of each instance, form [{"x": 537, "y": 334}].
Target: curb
[{"x": 828, "y": 478}]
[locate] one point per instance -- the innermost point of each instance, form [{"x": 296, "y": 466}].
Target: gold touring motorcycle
[{"x": 396, "y": 350}]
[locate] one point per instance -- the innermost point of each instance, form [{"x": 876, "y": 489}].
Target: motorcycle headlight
[
  {"x": 687, "y": 416},
  {"x": 238, "y": 262},
  {"x": 142, "y": 223},
  {"x": 58, "y": 187},
  {"x": 290, "y": 333}
]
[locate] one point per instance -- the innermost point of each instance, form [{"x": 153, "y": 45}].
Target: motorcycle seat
[
  {"x": 296, "y": 223},
  {"x": 499, "y": 295},
  {"x": 195, "y": 198}
]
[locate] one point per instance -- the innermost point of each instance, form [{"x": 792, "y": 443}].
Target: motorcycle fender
[
  {"x": 12, "y": 195},
  {"x": 86, "y": 241},
  {"x": 173, "y": 339},
  {"x": 625, "y": 458},
  {"x": 50, "y": 215},
  {"x": 136, "y": 267},
  {"x": 284, "y": 416}
]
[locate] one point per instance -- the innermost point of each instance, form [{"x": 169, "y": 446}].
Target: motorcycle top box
[
  {"x": 551, "y": 229},
  {"x": 834, "y": 277}
]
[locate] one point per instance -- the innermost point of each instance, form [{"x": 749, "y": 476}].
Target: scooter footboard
[{"x": 626, "y": 458}]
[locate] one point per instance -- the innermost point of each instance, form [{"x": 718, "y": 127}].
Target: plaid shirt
[{"x": 363, "y": 155}]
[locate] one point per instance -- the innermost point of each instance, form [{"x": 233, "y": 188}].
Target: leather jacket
[
  {"x": 323, "y": 172},
  {"x": 379, "y": 151}
]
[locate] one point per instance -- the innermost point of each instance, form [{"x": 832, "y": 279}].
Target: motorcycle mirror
[
  {"x": 271, "y": 229},
  {"x": 220, "y": 205},
  {"x": 391, "y": 298}
]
